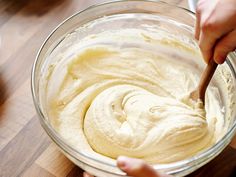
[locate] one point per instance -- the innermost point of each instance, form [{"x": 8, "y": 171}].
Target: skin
[
  {"x": 135, "y": 167},
  {"x": 138, "y": 168},
  {"x": 215, "y": 30}
]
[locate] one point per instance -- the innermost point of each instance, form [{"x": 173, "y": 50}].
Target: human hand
[
  {"x": 216, "y": 28},
  {"x": 135, "y": 167}
]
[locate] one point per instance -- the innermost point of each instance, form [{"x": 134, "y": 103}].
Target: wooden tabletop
[{"x": 25, "y": 149}]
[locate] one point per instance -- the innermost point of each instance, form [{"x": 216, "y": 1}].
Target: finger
[
  {"x": 206, "y": 44},
  {"x": 200, "y": 10},
  {"x": 233, "y": 142},
  {"x": 224, "y": 46},
  {"x": 85, "y": 174},
  {"x": 197, "y": 23},
  {"x": 136, "y": 168}
]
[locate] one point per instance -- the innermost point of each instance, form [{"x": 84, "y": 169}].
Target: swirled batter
[{"x": 125, "y": 93}]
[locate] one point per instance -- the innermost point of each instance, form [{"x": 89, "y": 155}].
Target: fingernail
[
  {"x": 122, "y": 162},
  {"x": 219, "y": 59},
  {"x": 86, "y": 175}
]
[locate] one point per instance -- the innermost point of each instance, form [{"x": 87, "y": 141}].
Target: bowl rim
[{"x": 68, "y": 149}]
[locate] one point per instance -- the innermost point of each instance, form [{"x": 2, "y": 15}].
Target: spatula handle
[{"x": 206, "y": 78}]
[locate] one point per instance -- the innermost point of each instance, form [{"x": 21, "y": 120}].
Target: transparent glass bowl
[{"x": 120, "y": 15}]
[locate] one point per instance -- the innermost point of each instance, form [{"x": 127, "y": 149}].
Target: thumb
[
  {"x": 137, "y": 168},
  {"x": 224, "y": 46},
  {"x": 85, "y": 174}
]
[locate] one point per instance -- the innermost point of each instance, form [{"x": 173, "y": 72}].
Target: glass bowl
[{"x": 120, "y": 15}]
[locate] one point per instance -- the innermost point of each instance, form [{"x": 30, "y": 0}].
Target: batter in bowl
[{"x": 126, "y": 93}]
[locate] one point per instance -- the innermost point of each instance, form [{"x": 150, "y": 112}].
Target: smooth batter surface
[{"x": 126, "y": 93}]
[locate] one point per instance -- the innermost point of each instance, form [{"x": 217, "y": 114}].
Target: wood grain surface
[{"x": 25, "y": 149}]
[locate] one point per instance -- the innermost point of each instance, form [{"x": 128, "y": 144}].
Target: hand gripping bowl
[{"x": 117, "y": 15}]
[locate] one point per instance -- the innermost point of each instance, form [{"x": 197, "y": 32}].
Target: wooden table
[{"x": 25, "y": 149}]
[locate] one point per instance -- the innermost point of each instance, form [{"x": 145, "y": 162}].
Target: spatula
[{"x": 199, "y": 92}]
